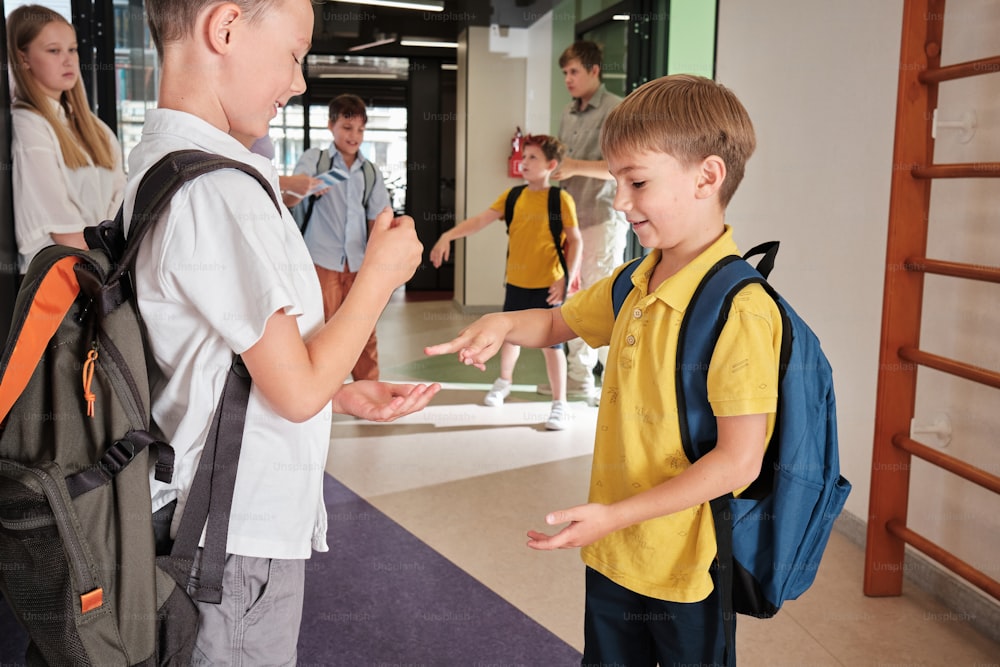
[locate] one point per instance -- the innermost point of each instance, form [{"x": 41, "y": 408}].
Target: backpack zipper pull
[{"x": 88, "y": 376}]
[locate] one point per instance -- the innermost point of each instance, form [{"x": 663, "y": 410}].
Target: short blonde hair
[
  {"x": 173, "y": 20},
  {"x": 686, "y": 116},
  {"x": 85, "y": 140}
]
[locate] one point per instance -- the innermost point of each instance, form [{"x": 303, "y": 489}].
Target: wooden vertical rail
[{"x": 909, "y": 205}]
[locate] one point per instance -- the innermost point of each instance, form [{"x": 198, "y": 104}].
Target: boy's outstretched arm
[
  {"x": 442, "y": 249},
  {"x": 476, "y": 343},
  {"x": 561, "y": 290},
  {"x": 298, "y": 377},
  {"x": 733, "y": 464}
]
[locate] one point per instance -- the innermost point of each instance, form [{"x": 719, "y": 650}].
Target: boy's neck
[
  {"x": 585, "y": 99},
  {"x": 539, "y": 184},
  {"x": 673, "y": 260}
]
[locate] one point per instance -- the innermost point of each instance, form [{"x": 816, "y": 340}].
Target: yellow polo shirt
[
  {"x": 638, "y": 442},
  {"x": 532, "y": 260}
]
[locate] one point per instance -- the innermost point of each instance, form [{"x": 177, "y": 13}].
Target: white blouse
[{"x": 49, "y": 197}]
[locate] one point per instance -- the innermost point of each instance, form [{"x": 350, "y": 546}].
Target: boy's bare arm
[
  {"x": 574, "y": 256},
  {"x": 442, "y": 249},
  {"x": 298, "y": 377},
  {"x": 733, "y": 464},
  {"x": 588, "y": 168},
  {"x": 476, "y": 343}
]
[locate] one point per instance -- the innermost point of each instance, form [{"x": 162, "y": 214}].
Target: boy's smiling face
[
  {"x": 668, "y": 204},
  {"x": 267, "y": 69},
  {"x": 348, "y": 134}
]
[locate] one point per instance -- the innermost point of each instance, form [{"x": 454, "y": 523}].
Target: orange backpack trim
[{"x": 53, "y": 299}]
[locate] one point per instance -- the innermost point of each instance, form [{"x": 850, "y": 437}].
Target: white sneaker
[
  {"x": 501, "y": 390},
  {"x": 574, "y": 388},
  {"x": 558, "y": 418}
]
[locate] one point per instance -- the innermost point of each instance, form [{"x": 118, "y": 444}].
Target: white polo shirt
[
  {"x": 208, "y": 278},
  {"x": 49, "y": 197}
]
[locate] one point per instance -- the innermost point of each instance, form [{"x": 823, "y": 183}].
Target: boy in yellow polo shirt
[
  {"x": 535, "y": 275},
  {"x": 677, "y": 147}
]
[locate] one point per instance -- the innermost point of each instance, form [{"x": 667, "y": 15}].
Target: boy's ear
[
  {"x": 219, "y": 25},
  {"x": 711, "y": 174}
]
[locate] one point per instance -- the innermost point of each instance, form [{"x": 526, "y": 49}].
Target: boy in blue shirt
[
  {"x": 337, "y": 233},
  {"x": 676, "y": 147}
]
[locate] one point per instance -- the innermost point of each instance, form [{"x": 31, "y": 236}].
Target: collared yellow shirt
[
  {"x": 638, "y": 442},
  {"x": 532, "y": 260}
]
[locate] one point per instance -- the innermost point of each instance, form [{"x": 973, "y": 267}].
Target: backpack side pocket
[{"x": 48, "y": 574}]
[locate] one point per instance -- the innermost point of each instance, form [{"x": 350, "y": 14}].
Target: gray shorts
[{"x": 257, "y": 623}]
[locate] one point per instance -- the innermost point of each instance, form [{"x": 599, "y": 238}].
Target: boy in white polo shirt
[{"x": 224, "y": 272}]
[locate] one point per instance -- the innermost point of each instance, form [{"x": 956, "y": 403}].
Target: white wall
[
  {"x": 509, "y": 88},
  {"x": 490, "y": 105},
  {"x": 961, "y": 318},
  {"x": 819, "y": 80},
  {"x": 539, "y": 72}
]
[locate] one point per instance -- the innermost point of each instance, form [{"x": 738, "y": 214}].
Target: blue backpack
[{"x": 771, "y": 538}]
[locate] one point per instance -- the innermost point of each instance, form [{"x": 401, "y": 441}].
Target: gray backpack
[{"x": 79, "y": 564}]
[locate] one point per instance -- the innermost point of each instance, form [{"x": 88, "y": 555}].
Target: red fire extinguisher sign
[{"x": 514, "y": 161}]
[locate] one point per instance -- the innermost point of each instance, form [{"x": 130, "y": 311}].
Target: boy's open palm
[
  {"x": 382, "y": 401},
  {"x": 587, "y": 524}
]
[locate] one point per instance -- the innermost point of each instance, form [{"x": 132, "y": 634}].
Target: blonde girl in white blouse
[{"x": 67, "y": 164}]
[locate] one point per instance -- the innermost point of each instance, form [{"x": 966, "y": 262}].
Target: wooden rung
[
  {"x": 960, "y": 70},
  {"x": 946, "y": 365},
  {"x": 964, "y": 470},
  {"x": 949, "y": 560},
  {"x": 967, "y": 170},
  {"x": 989, "y": 274}
]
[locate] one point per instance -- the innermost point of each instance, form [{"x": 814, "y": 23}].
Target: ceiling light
[
  {"x": 377, "y": 42},
  {"x": 433, "y": 44},
  {"x": 357, "y": 75},
  {"x": 420, "y": 5},
  {"x": 620, "y": 17}
]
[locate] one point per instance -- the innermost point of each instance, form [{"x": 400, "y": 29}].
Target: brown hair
[
  {"x": 173, "y": 20},
  {"x": 552, "y": 148},
  {"x": 348, "y": 106},
  {"x": 590, "y": 54},
  {"x": 85, "y": 141},
  {"x": 689, "y": 117}
]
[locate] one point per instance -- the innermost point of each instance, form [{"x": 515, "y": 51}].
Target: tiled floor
[{"x": 471, "y": 480}]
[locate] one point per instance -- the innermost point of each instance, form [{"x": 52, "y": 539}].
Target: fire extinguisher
[{"x": 514, "y": 161}]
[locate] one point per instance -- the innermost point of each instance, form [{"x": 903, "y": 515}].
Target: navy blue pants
[{"x": 626, "y": 629}]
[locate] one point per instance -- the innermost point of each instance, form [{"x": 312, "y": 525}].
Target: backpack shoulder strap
[
  {"x": 699, "y": 331},
  {"x": 556, "y": 227},
  {"x": 622, "y": 285},
  {"x": 213, "y": 485},
  {"x": 42, "y": 304},
  {"x": 368, "y": 169},
  {"x": 161, "y": 183},
  {"x": 323, "y": 163},
  {"x": 508, "y": 209}
]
